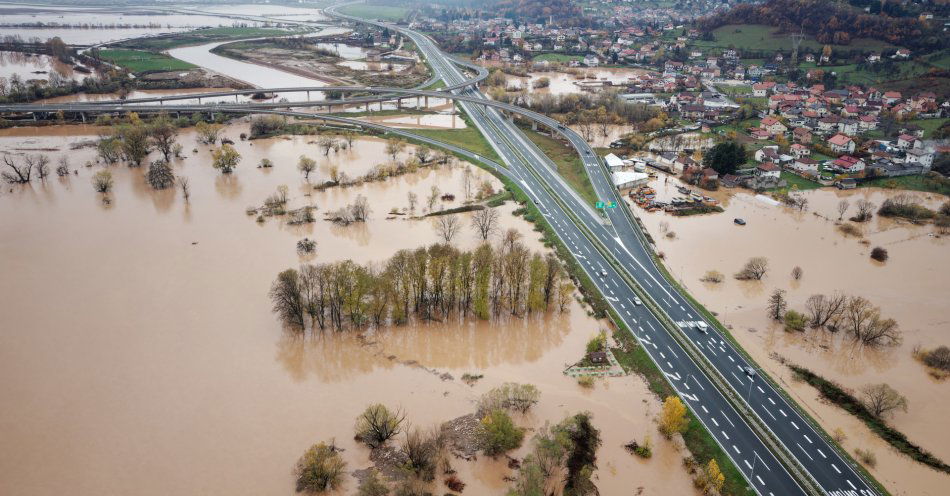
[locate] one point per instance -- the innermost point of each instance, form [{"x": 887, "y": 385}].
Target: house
[
  {"x": 841, "y": 143},
  {"x": 805, "y": 165},
  {"x": 848, "y": 126},
  {"x": 773, "y": 125},
  {"x": 846, "y": 183},
  {"x": 709, "y": 174},
  {"x": 903, "y": 53},
  {"x": 801, "y": 135},
  {"x": 760, "y": 134},
  {"x": 906, "y": 141},
  {"x": 767, "y": 170},
  {"x": 762, "y": 89},
  {"x": 867, "y": 122},
  {"x": 846, "y": 164},
  {"x": 613, "y": 161},
  {"x": 799, "y": 150},
  {"x": 891, "y": 97},
  {"x": 921, "y": 156},
  {"x": 591, "y": 60},
  {"x": 766, "y": 154}
]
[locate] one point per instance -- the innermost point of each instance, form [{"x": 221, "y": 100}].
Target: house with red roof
[
  {"x": 846, "y": 164},
  {"x": 773, "y": 125},
  {"x": 841, "y": 143},
  {"x": 768, "y": 169}
]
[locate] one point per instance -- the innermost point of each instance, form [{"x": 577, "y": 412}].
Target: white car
[
  {"x": 702, "y": 326},
  {"x": 637, "y": 301},
  {"x": 603, "y": 273},
  {"x": 749, "y": 371}
]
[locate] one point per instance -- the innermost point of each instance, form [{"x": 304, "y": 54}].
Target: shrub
[
  {"x": 585, "y": 381},
  {"x": 102, "y": 181},
  {"x": 642, "y": 450},
  {"x": 597, "y": 343},
  {"x": 903, "y": 206},
  {"x": 795, "y": 321},
  {"x": 372, "y": 486},
  {"x": 306, "y": 245},
  {"x": 938, "y": 358},
  {"x": 160, "y": 175},
  {"x": 713, "y": 276},
  {"x": 377, "y": 424},
  {"x": 867, "y": 457},
  {"x": 879, "y": 254},
  {"x": 498, "y": 433},
  {"x": 849, "y": 229},
  {"x": 509, "y": 396},
  {"x": 319, "y": 469},
  {"x": 422, "y": 452}
]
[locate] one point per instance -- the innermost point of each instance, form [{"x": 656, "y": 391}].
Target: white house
[
  {"x": 613, "y": 161},
  {"x": 799, "y": 150},
  {"x": 805, "y": 165},
  {"x": 591, "y": 60},
  {"x": 768, "y": 169},
  {"x": 840, "y": 143},
  {"x": 906, "y": 141},
  {"x": 921, "y": 156},
  {"x": 629, "y": 179}
]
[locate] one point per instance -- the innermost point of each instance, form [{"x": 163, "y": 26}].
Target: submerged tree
[
  {"x": 160, "y": 175},
  {"x": 225, "y": 158},
  {"x": 320, "y": 469}
]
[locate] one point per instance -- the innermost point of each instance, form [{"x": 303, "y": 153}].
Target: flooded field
[
  {"x": 139, "y": 354},
  {"x": 32, "y": 66},
  {"x": 910, "y": 287}
]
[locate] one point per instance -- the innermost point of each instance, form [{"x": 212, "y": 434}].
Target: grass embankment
[
  {"x": 569, "y": 163},
  {"x": 200, "y": 36},
  {"x": 469, "y": 138},
  {"x": 138, "y": 61},
  {"x": 757, "y": 37},
  {"x": 838, "y": 396},
  {"x": 556, "y": 57},
  {"x": 381, "y": 12},
  {"x": 927, "y": 184},
  {"x": 798, "y": 182}
]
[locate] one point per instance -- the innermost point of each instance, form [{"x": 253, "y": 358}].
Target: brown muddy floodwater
[
  {"x": 138, "y": 353},
  {"x": 912, "y": 287}
]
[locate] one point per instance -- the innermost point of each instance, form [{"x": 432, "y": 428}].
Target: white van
[{"x": 702, "y": 326}]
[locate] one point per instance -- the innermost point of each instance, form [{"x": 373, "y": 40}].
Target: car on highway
[
  {"x": 739, "y": 221},
  {"x": 603, "y": 273},
  {"x": 702, "y": 327},
  {"x": 749, "y": 371},
  {"x": 636, "y": 301},
  {"x": 561, "y": 127}
]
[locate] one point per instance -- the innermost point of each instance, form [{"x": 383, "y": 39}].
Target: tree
[
  {"x": 843, "y": 206},
  {"x": 319, "y": 469},
  {"x": 865, "y": 323},
  {"x": 359, "y": 209},
  {"x": 371, "y": 485},
  {"x": 102, "y": 181},
  {"x": 447, "y": 227},
  {"x": 879, "y": 254},
  {"x": 377, "y": 424},
  {"x": 498, "y": 434},
  {"x": 777, "y": 304},
  {"x": 208, "y": 133},
  {"x": 795, "y": 321},
  {"x": 109, "y": 149},
  {"x": 881, "y": 399},
  {"x": 433, "y": 197},
  {"x": 581, "y": 461},
  {"x": 326, "y": 143},
  {"x": 394, "y": 146},
  {"x": 134, "y": 141},
  {"x": 306, "y": 165},
  {"x": 485, "y": 222},
  {"x": 509, "y": 396},
  {"x": 20, "y": 173},
  {"x": 865, "y": 211},
  {"x": 163, "y": 133},
  {"x": 413, "y": 198},
  {"x": 160, "y": 175},
  {"x": 40, "y": 165},
  {"x": 673, "y": 418},
  {"x": 725, "y": 157},
  {"x": 423, "y": 153},
  {"x": 185, "y": 186},
  {"x": 797, "y": 273},
  {"x": 824, "y": 310},
  {"x": 62, "y": 169},
  {"x": 712, "y": 478},
  {"x": 422, "y": 451},
  {"x": 225, "y": 158},
  {"x": 754, "y": 269},
  {"x": 287, "y": 297}
]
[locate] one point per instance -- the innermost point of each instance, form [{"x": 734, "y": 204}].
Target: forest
[
  {"x": 831, "y": 23},
  {"x": 431, "y": 284}
]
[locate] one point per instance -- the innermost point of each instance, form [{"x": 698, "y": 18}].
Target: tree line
[{"x": 433, "y": 283}]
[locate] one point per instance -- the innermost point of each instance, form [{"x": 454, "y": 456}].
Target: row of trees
[
  {"x": 431, "y": 283},
  {"x": 854, "y": 315}
]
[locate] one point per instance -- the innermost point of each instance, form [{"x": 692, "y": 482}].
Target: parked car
[{"x": 739, "y": 221}]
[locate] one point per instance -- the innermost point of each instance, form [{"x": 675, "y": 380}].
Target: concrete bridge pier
[
  {"x": 399, "y": 103},
  {"x": 308, "y": 95},
  {"x": 199, "y": 100},
  {"x": 534, "y": 125},
  {"x": 82, "y": 115},
  {"x": 427, "y": 101}
]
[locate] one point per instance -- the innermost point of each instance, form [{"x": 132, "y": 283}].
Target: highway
[{"x": 614, "y": 253}]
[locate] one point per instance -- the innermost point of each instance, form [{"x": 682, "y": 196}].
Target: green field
[
  {"x": 138, "y": 61},
  {"x": 381, "y": 12},
  {"x": 556, "y": 57},
  {"x": 569, "y": 164},
  {"x": 468, "y": 138},
  {"x": 199, "y": 36},
  {"x": 798, "y": 182},
  {"x": 764, "y": 38}
]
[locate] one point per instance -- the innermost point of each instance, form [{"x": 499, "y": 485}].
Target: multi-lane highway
[{"x": 614, "y": 253}]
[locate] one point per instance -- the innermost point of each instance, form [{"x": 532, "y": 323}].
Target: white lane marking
[
  {"x": 822, "y": 453},
  {"x": 714, "y": 421},
  {"x": 747, "y": 464},
  {"x": 697, "y": 382},
  {"x": 782, "y": 412},
  {"x": 850, "y": 484},
  {"x": 662, "y": 355},
  {"x": 760, "y": 480},
  {"x": 770, "y": 413},
  {"x": 725, "y": 435},
  {"x": 794, "y": 425},
  {"x": 681, "y": 308},
  {"x": 807, "y": 438},
  {"x": 803, "y": 451},
  {"x": 835, "y": 467},
  {"x": 668, "y": 363},
  {"x": 737, "y": 449},
  {"x": 727, "y": 419},
  {"x": 771, "y": 401},
  {"x": 760, "y": 389},
  {"x": 731, "y": 360},
  {"x": 623, "y": 306},
  {"x": 628, "y": 312},
  {"x": 671, "y": 351}
]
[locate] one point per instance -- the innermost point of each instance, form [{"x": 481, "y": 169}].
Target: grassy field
[
  {"x": 929, "y": 125},
  {"x": 569, "y": 164},
  {"x": 468, "y": 138},
  {"x": 913, "y": 183},
  {"x": 138, "y": 61},
  {"x": 200, "y": 36},
  {"x": 381, "y": 12},
  {"x": 764, "y": 38},
  {"x": 556, "y": 57},
  {"x": 798, "y": 182}
]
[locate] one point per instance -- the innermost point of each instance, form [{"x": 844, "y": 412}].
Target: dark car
[{"x": 739, "y": 221}]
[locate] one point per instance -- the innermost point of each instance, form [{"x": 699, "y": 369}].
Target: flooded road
[
  {"x": 910, "y": 287},
  {"x": 139, "y": 354}
]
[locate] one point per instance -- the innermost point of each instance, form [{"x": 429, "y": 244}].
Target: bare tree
[
  {"x": 185, "y": 186},
  {"x": 359, "y": 209},
  {"x": 843, "y": 206},
  {"x": 797, "y": 273},
  {"x": 378, "y": 424},
  {"x": 102, "y": 181},
  {"x": 824, "y": 310},
  {"x": 433, "y": 197},
  {"x": 306, "y": 165},
  {"x": 447, "y": 227},
  {"x": 423, "y": 153},
  {"x": 18, "y": 173},
  {"x": 413, "y": 198},
  {"x": 394, "y": 146},
  {"x": 326, "y": 143},
  {"x": 163, "y": 133},
  {"x": 422, "y": 451},
  {"x": 62, "y": 169},
  {"x": 777, "y": 304},
  {"x": 286, "y": 296},
  {"x": 485, "y": 222},
  {"x": 881, "y": 399},
  {"x": 864, "y": 322},
  {"x": 754, "y": 269},
  {"x": 467, "y": 180},
  {"x": 40, "y": 165},
  {"x": 865, "y": 211}
]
